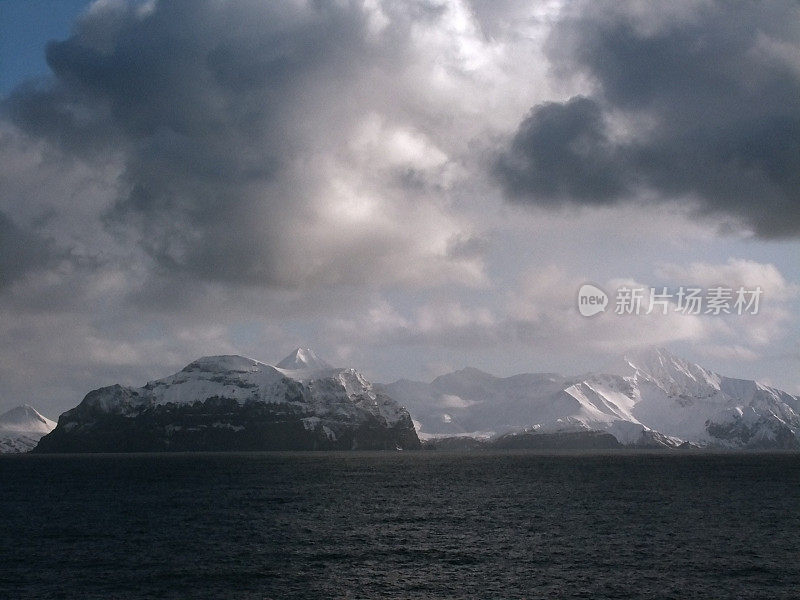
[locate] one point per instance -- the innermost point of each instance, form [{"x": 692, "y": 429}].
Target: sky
[{"x": 407, "y": 187}]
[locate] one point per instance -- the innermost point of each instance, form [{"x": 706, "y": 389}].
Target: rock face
[
  {"x": 21, "y": 428},
  {"x": 656, "y": 400},
  {"x": 236, "y": 403}
]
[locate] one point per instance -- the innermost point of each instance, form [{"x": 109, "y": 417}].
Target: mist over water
[{"x": 405, "y": 525}]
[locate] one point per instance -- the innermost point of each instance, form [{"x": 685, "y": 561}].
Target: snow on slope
[
  {"x": 658, "y": 395},
  {"x": 303, "y": 359},
  {"x": 327, "y": 390},
  {"x": 21, "y": 428},
  {"x": 684, "y": 400},
  {"x": 234, "y": 377},
  {"x": 470, "y": 401}
]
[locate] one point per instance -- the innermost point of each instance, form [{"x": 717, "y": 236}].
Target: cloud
[
  {"x": 263, "y": 143},
  {"x": 734, "y": 352},
  {"x": 562, "y": 152},
  {"x": 775, "y": 310},
  {"x": 699, "y": 103},
  {"x": 539, "y": 313},
  {"x": 539, "y": 317},
  {"x": 734, "y": 273},
  {"x": 21, "y": 252}
]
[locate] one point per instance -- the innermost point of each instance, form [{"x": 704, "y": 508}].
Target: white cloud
[
  {"x": 734, "y": 273},
  {"x": 735, "y": 352}
]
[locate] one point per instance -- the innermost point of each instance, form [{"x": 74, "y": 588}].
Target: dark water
[{"x": 422, "y": 525}]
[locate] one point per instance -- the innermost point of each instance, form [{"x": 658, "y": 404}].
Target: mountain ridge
[
  {"x": 663, "y": 400},
  {"x": 231, "y": 402},
  {"x": 21, "y": 428},
  {"x": 657, "y": 400}
]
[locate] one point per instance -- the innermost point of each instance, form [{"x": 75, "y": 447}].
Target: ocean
[{"x": 406, "y": 525}]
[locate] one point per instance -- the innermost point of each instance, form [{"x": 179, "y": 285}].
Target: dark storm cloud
[
  {"x": 710, "y": 98},
  {"x": 21, "y": 252},
  {"x": 202, "y": 101},
  {"x": 561, "y": 152}
]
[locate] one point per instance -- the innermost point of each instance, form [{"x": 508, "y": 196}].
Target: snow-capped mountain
[
  {"x": 478, "y": 404},
  {"x": 658, "y": 400},
  {"x": 303, "y": 359},
  {"x": 21, "y": 428},
  {"x": 237, "y": 403}
]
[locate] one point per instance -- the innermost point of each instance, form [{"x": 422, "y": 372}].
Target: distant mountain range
[
  {"x": 654, "y": 399},
  {"x": 21, "y": 428}
]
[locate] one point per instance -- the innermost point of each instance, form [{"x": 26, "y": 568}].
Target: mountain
[
  {"x": 21, "y": 428},
  {"x": 237, "y": 403},
  {"x": 303, "y": 359},
  {"x": 657, "y": 400},
  {"x": 477, "y": 403}
]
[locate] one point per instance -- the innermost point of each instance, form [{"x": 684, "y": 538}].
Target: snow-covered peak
[
  {"x": 463, "y": 377},
  {"x": 650, "y": 396},
  {"x": 225, "y": 376},
  {"x": 673, "y": 374},
  {"x": 223, "y": 363},
  {"x": 25, "y": 418},
  {"x": 246, "y": 380},
  {"x": 303, "y": 359},
  {"x": 653, "y": 358}
]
